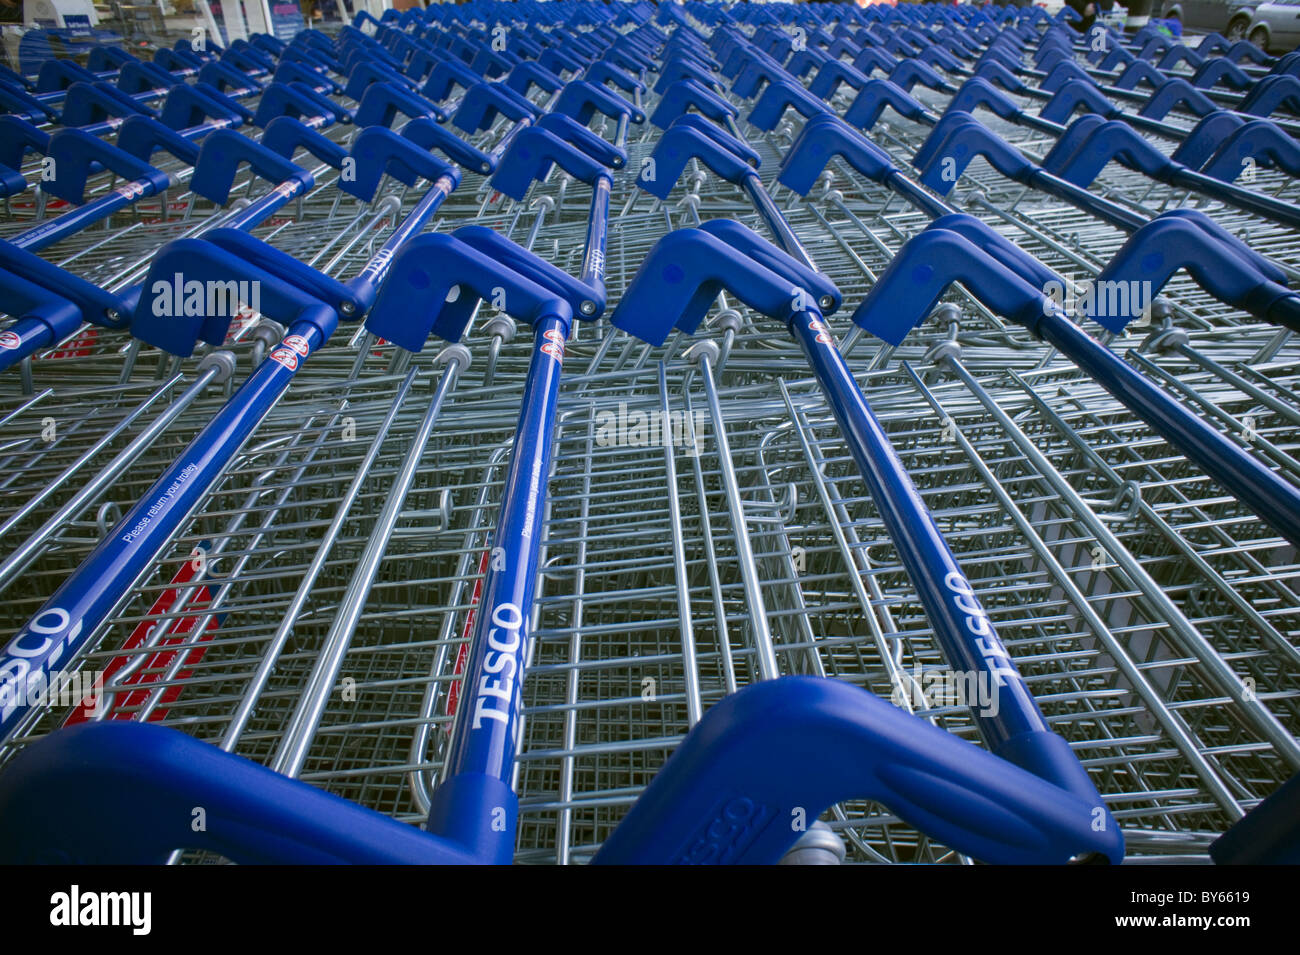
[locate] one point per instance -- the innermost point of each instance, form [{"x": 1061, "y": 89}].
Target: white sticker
[
  {"x": 9, "y": 340},
  {"x": 287, "y": 357},
  {"x": 298, "y": 344}
]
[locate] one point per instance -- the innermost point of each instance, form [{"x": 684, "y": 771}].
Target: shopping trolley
[{"x": 312, "y": 640}]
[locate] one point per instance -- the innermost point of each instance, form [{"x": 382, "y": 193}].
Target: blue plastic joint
[
  {"x": 820, "y": 141},
  {"x": 924, "y": 269},
  {"x": 195, "y": 288},
  {"x": 718, "y": 801},
  {"x": 1151, "y": 256},
  {"x": 684, "y": 272},
  {"x": 681, "y": 143},
  {"x": 436, "y": 282}
]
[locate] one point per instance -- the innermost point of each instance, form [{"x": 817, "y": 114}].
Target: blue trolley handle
[
  {"x": 475, "y": 806},
  {"x": 124, "y": 793},
  {"x": 718, "y": 800},
  {"x": 678, "y": 281},
  {"x": 905, "y": 293},
  {"x": 75, "y": 611},
  {"x": 476, "y": 803},
  {"x": 763, "y": 276}
]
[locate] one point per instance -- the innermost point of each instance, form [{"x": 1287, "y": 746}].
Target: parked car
[
  {"x": 1276, "y": 26},
  {"x": 1229, "y": 17}
]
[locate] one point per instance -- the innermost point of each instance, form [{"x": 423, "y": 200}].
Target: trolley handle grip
[
  {"x": 223, "y": 76},
  {"x": 528, "y": 73},
  {"x": 1257, "y": 140},
  {"x": 676, "y": 148},
  {"x": 57, "y": 74},
  {"x": 130, "y": 793},
  {"x": 1175, "y": 93},
  {"x": 1074, "y": 94},
  {"x": 1225, "y": 268},
  {"x": 909, "y": 72},
  {"x": 826, "y": 137},
  {"x": 533, "y": 154},
  {"x": 777, "y": 97},
  {"x": 603, "y": 71},
  {"x": 365, "y": 72},
  {"x": 1066, "y": 70},
  {"x": 1270, "y": 94},
  {"x": 684, "y": 271},
  {"x": 293, "y": 70},
  {"x": 784, "y": 750},
  {"x": 682, "y": 95}
]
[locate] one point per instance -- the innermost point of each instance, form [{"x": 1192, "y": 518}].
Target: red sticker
[
  {"x": 555, "y": 351},
  {"x": 298, "y": 344},
  {"x": 9, "y": 340},
  {"x": 287, "y": 357}
]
